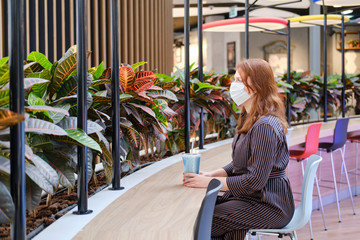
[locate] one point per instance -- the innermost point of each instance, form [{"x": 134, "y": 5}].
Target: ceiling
[{"x": 222, "y": 7}]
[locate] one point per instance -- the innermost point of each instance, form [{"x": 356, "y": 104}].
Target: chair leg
[
  {"x": 347, "y": 179},
  {"x": 311, "y": 231},
  {"x": 356, "y": 166},
  {"x": 341, "y": 169},
  {"x": 336, "y": 192},
  {"x": 319, "y": 168},
  {"x": 293, "y": 236},
  {"x": 310, "y": 226},
  {"x": 321, "y": 204}
]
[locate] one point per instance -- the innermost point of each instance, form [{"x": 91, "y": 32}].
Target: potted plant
[
  {"x": 351, "y": 43},
  {"x": 357, "y": 43}
]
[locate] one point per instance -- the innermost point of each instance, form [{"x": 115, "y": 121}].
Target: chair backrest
[
  {"x": 340, "y": 133},
  {"x": 312, "y": 139},
  {"x": 303, "y": 212},
  {"x": 202, "y": 227},
  {"x": 288, "y": 135}
]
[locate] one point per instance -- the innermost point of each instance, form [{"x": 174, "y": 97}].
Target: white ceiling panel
[
  {"x": 179, "y": 12},
  {"x": 271, "y": 12},
  {"x": 339, "y": 3}
]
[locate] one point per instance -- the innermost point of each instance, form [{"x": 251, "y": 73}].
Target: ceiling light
[
  {"x": 337, "y": 6},
  {"x": 347, "y": 11}
]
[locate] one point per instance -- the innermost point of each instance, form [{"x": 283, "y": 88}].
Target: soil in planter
[{"x": 48, "y": 214}]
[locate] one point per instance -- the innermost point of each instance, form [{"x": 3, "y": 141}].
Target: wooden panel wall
[{"x": 145, "y": 30}]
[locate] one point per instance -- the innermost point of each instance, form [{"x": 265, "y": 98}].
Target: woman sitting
[{"x": 257, "y": 192}]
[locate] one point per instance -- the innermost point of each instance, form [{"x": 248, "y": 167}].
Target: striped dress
[{"x": 259, "y": 193}]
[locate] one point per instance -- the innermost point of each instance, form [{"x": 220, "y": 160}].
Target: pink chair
[{"x": 355, "y": 139}]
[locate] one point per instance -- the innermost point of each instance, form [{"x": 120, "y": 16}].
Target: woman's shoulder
[{"x": 270, "y": 122}]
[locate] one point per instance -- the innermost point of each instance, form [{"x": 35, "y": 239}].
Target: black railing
[
  {"x": 82, "y": 105},
  {"x": 187, "y": 73},
  {"x": 115, "y": 96},
  {"x": 16, "y": 28},
  {"x": 200, "y": 72}
]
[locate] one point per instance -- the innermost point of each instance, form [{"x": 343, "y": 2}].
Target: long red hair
[{"x": 266, "y": 98}]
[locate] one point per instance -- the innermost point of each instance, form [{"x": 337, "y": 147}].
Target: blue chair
[
  {"x": 339, "y": 140},
  {"x": 303, "y": 212},
  {"x": 202, "y": 227}
]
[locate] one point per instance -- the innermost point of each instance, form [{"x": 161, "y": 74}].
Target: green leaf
[
  {"x": 201, "y": 87},
  {"x": 106, "y": 153},
  {"x": 61, "y": 164},
  {"x": 4, "y": 74},
  {"x": 44, "y": 74},
  {"x": 67, "y": 176},
  {"x": 33, "y": 194},
  {"x": 40, "y": 58},
  {"x": 34, "y": 100},
  {"x": 47, "y": 109},
  {"x": 100, "y": 82},
  {"x": 164, "y": 78},
  {"x": 136, "y": 65},
  {"x": 7, "y": 208},
  {"x": 35, "y": 175},
  {"x": 58, "y": 116},
  {"x": 46, "y": 170},
  {"x": 43, "y": 127},
  {"x": 107, "y": 171},
  {"x": 124, "y": 97},
  {"x": 100, "y": 99},
  {"x": 69, "y": 52},
  {"x": 80, "y": 136},
  {"x": 32, "y": 67},
  {"x": 181, "y": 74},
  {"x": 69, "y": 87},
  {"x": 3, "y": 61},
  {"x": 41, "y": 141},
  {"x": 101, "y": 93},
  {"x": 39, "y": 89},
  {"x": 4, "y": 97},
  {"x": 29, "y": 82},
  {"x": 99, "y": 70},
  {"x": 71, "y": 123},
  {"x": 162, "y": 94},
  {"x": 159, "y": 115},
  {"x": 62, "y": 72},
  {"x": 284, "y": 84}
]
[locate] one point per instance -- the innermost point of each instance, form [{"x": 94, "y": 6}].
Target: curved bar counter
[{"x": 155, "y": 204}]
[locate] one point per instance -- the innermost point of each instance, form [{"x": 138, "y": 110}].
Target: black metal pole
[
  {"x": 201, "y": 79},
  {"x": 288, "y": 106},
  {"x": 16, "y": 28},
  {"x": 81, "y": 105},
  {"x": 325, "y": 65},
  {"x": 343, "y": 65},
  {"x": 246, "y": 29},
  {"x": 187, "y": 74},
  {"x": 115, "y": 95}
]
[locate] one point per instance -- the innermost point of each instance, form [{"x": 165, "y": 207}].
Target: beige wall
[
  {"x": 216, "y": 48},
  {"x": 352, "y": 57},
  {"x": 299, "y": 45}
]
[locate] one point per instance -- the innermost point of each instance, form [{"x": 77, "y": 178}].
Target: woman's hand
[
  {"x": 206, "y": 174},
  {"x": 196, "y": 180}
]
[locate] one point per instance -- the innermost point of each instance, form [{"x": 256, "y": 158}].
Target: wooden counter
[{"x": 161, "y": 208}]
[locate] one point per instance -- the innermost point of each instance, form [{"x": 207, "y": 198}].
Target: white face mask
[{"x": 238, "y": 93}]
